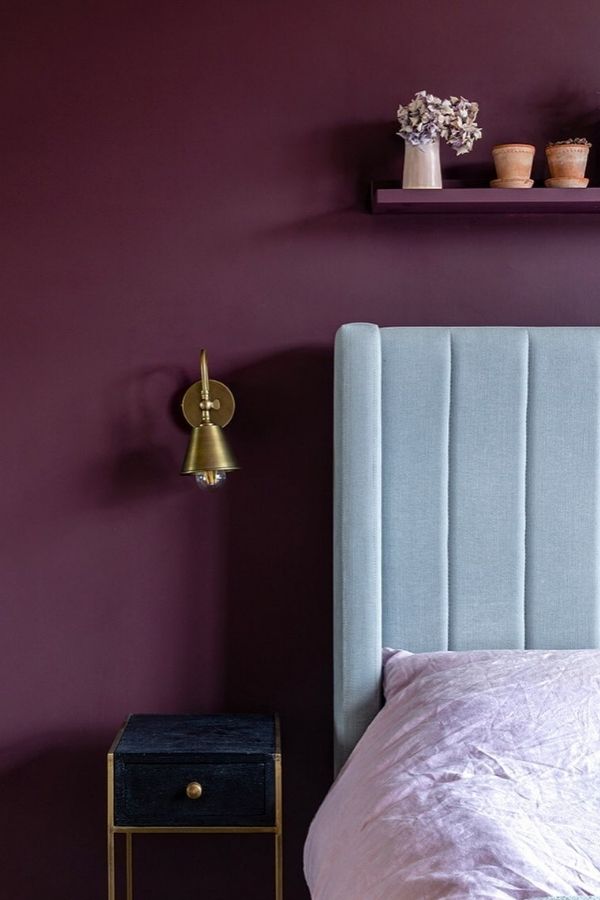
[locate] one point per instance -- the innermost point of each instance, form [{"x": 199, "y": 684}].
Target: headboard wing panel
[
  {"x": 357, "y": 533},
  {"x": 466, "y": 497}
]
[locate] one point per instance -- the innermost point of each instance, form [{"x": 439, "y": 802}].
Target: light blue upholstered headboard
[{"x": 467, "y": 497}]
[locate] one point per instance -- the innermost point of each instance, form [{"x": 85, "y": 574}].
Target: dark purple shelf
[{"x": 390, "y": 198}]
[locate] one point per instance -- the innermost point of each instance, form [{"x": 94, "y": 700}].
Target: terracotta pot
[
  {"x": 422, "y": 165},
  {"x": 567, "y": 164},
  {"x": 513, "y": 164}
]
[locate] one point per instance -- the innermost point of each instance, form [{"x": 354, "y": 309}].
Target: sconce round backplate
[{"x": 219, "y": 392}]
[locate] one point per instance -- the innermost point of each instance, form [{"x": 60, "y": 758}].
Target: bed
[{"x": 467, "y": 525}]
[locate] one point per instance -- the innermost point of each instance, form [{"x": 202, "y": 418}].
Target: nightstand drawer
[{"x": 155, "y": 794}]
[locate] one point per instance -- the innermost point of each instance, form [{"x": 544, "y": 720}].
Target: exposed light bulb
[{"x": 210, "y": 479}]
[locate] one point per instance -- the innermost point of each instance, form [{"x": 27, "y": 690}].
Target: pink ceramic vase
[{"x": 422, "y": 167}]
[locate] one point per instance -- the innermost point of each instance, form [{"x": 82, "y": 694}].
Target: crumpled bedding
[{"x": 480, "y": 778}]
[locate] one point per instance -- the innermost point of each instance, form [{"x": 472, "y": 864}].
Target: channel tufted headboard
[{"x": 467, "y": 497}]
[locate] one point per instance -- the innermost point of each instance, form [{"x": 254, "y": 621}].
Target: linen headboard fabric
[{"x": 467, "y": 498}]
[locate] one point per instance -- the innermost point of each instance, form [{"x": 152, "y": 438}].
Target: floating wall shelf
[{"x": 388, "y": 197}]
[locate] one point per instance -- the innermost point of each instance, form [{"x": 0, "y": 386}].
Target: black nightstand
[{"x": 194, "y": 774}]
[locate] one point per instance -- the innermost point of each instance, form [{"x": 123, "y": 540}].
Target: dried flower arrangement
[
  {"x": 427, "y": 118},
  {"x": 583, "y": 142}
]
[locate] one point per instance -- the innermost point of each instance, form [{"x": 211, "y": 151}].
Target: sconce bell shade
[
  {"x": 208, "y": 450},
  {"x": 208, "y": 406}
]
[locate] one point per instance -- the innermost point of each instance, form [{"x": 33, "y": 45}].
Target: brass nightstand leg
[
  {"x": 110, "y": 834},
  {"x": 111, "y": 864},
  {"x": 278, "y": 816},
  {"x": 129, "y": 862},
  {"x": 278, "y": 867}
]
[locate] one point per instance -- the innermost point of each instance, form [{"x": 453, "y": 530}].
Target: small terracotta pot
[
  {"x": 513, "y": 164},
  {"x": 567, "y": 164}
]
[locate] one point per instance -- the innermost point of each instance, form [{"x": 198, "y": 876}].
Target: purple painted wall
[{"x": 178, "y": 175}]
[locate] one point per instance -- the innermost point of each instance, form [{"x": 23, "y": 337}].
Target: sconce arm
[{"x": 206, "y": 404}]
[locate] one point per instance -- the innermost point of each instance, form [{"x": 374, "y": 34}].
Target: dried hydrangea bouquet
[{"x": 423, "y": 122}]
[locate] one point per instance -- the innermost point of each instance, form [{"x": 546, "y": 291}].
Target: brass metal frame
[
  {"x": 129, "y": 830},
  {"x": 278, "y": 814},
  {"x": 220, "y": 397},
  {"x": 208, "y": 407}
]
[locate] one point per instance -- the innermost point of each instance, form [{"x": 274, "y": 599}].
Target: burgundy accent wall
[{"x": 179, "y": 175}]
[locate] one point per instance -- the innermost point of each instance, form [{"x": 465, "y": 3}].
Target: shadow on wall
[
  {"x": 144, "y": 463},
  {"x": 372, "y": 151},
  {"x": 365, "y": 151},
  {"x": 276, "y": 550},
  {"x": 278, "y": 573},
  {"x": 52, "y": 829}
]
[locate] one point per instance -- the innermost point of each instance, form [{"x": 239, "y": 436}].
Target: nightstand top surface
[{"x": 198, "y": 734}]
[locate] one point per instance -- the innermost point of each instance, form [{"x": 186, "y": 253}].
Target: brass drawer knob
[{"x": 194, "y": 790}]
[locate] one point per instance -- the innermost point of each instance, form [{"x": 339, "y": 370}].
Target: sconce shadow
[{"x": 139, "y": 461}]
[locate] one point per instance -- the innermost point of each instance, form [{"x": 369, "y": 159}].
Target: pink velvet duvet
[{"x": 480, "y": 778}]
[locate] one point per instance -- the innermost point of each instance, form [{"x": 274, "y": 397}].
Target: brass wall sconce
[{"x": 208, "y": 406}]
